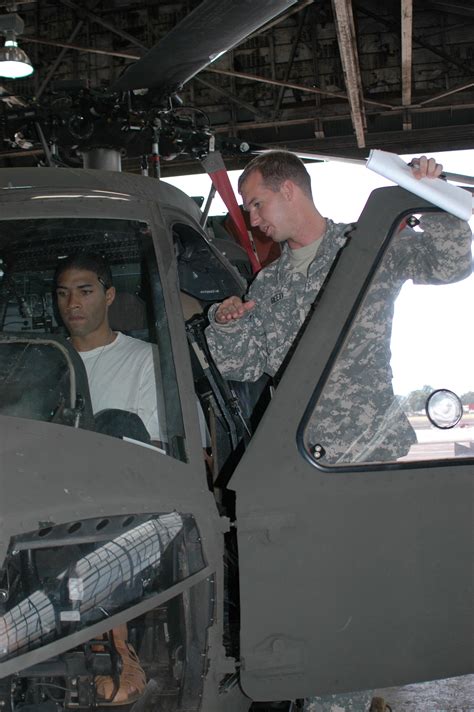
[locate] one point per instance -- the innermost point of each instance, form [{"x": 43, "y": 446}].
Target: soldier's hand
[
  {"x": 424, "y": 167},
  {"x": 231, "y": 309}
]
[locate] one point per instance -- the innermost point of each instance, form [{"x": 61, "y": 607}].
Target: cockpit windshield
[{"x": 126, "y": 386}]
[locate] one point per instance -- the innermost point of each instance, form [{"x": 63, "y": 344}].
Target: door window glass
[{"x": 401, "y": 387}]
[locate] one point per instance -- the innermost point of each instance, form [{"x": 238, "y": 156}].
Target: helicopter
[{"x": 274, "y": 577}]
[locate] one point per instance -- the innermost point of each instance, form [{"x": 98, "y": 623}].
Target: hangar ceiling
[{"x": 329, "y": 76}]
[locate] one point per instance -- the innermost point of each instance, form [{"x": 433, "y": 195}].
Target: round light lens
[{"x": 444, "y": 409}]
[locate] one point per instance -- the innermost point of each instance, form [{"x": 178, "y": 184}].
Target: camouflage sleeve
[
  {"x": 443, "y": 250},
  {"x": 239, "y": 349}
]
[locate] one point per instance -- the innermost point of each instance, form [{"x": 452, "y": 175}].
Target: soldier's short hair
[
  {"x": 276, "y": 167},
  {"x": 90, "y": 261}
]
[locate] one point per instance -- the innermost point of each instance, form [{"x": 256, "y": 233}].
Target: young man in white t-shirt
[{"x": 120, "y": 370}]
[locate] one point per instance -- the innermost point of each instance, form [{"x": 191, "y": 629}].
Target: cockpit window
[
  {"x": 41, "y": 378},
  {"x": 130, "y": 386},
  {"x": 401, "y": 387},
  {"x": 86, "y": 571},
  {"x": 202, "y": 275}
]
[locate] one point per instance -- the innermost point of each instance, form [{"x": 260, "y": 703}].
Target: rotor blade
[
  {"x": 318, "y": 157},
  {"x": 458, "y": 178},
  {"x": 213, "y": 28}
]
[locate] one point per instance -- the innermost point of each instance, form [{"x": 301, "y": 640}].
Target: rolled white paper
[{"x": 451, "y": 198}]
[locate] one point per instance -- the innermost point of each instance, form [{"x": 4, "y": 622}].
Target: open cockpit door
[{"x": 355, "y": 496}]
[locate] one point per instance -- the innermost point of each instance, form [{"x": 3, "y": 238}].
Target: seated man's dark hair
[
  {"x": 276, "y": 167},
  {"x": 90, "y": 261}
]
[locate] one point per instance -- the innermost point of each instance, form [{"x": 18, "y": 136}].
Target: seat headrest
[
  {"x": 127, "y": 312},
  {"x": 190, "y": 305}
]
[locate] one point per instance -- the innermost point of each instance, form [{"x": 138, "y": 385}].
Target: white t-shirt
[
  {"x": 121, "y": 375},
  {"x": 301, "y": 258}
]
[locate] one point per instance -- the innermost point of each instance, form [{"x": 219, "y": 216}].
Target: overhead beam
[
  {"x": 289, "y": 65},
  {"x": 407, "y": 58},
  {"x": 292, "y": 85},
  {"x": 81, "y": 48},
  {"x": 432, "y": 139},
  {"x": 346, "y": 36},
  {"x": 229, "y": 95},
  {"x": 84, "y": 12},
  {"x": 58, "y": 60},
  {"x": 291, "y": 11},
  {"x": 395, "y": 27},
  {"x": 454, "y": 90},
  {"x": 252, "y": 125}
]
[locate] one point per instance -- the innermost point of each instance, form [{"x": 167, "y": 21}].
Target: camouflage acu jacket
[{"x": 258, "y": 342}]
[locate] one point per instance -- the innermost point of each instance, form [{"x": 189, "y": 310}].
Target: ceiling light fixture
[{"x": 14, "y": 62}]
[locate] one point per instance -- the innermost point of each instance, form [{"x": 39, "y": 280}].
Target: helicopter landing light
[{"x": 444, "y": 409}]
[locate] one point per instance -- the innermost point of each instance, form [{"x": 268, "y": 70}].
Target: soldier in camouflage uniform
[
  {"x": 252, "y": 337},
  {"x": 257, "y": 343}
]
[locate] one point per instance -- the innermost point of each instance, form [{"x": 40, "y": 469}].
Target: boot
[{"x": 132, "y": 679}]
